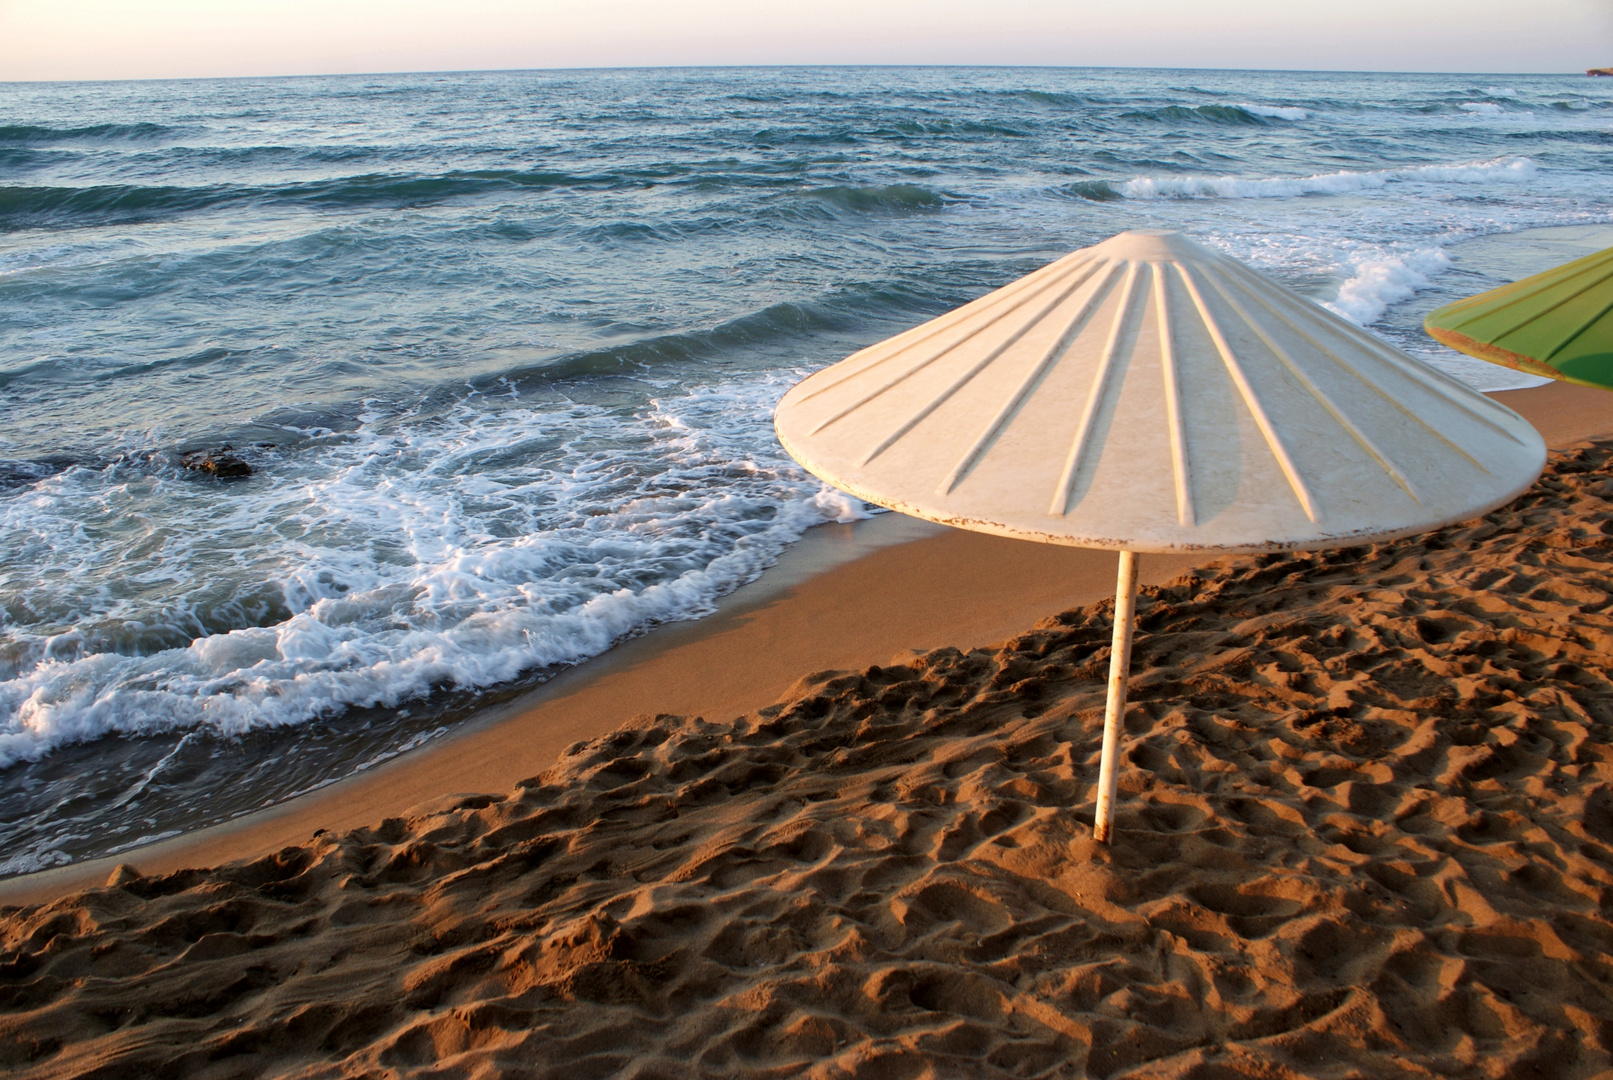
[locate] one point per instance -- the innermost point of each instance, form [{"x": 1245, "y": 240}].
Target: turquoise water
[{"x": 501, "y": 349}]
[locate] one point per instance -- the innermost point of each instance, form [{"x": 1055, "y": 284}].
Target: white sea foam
[
  {"x": 1482, "y": 108},
  {"x": 1378, "y": 282},
  {"x": 30, "y": 862},
  {"x": 1500, "y": 91},
  {"x": 1509, "y": 170},
  {"x": 1276, "y": 112},
  {"x": 414, "y": 553}
]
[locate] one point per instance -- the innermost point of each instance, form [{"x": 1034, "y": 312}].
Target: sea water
[{"x": 501, "y": 350}]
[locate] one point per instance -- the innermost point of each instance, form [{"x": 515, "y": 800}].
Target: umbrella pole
[{"x": 1115, "y": 712}]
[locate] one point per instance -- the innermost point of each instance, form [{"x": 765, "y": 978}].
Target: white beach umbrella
[{"x": 1149, "y": 395}]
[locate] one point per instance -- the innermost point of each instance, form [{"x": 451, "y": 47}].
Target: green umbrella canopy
[{"x": 1558, "y": 324}]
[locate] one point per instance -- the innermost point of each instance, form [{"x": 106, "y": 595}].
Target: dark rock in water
[
  {"x": 226, "y": 465},
  {"x": 220, "y": 463},
  {"x": 16, "y": 474}
]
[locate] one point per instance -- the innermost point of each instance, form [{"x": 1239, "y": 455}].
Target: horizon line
[{"x": 803, "y": 67}]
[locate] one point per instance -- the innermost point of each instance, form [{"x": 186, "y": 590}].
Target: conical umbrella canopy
[
  {"x": 1558, "y": 324},
  {"x": 1148, "y": 394}
]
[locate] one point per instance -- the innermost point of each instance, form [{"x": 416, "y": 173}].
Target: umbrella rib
[
  {"x": 993, "y": 321},
  {"x": 1024, "y": 290},
  {"x": 1505, "y": 296},
  {"x": 1061, "y": 494},
  {"x": 1186, "y": 513},
  {"x": 1353, "y": 370},
  {"x": 1500, "y": 299},
  {"x": 917, "y": 335},
  {"x": 1431, "y": 378},
  {"x": 1533, "y": 315},
  {"x": 987, "y": 437},
  {"x": 959, "y": 383},
  {"x": 1317, "y": 392},
  {"x": 1586, "y": 325},
  {"x": 1273, "y": 441}
]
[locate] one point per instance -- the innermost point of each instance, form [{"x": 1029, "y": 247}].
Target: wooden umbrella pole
[{"x": 1115, "y": 713}]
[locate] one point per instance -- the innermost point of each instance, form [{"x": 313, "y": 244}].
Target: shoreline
[
  {"x": 1364, "y": 824},
  {"x": 846, "y": 597},
  {"x": 843, "y": 597}
]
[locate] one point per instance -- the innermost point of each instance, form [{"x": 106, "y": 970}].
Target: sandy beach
[{"x": 842, "y": 828}]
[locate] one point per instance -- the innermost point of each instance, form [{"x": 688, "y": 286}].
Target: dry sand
[{"x": 1366, "y": 829}]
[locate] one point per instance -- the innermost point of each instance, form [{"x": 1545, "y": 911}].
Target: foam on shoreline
[
  {"x": 1363, "y": 823},
  {"x": 1489, "y": 255}
]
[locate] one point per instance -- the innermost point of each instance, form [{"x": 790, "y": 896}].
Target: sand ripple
[{"x": 1367, "y": 830}]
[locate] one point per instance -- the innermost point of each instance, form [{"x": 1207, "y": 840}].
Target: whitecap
[
  {"x": 1376, "y": 283},
  {"x": 1498, "y": 170},
  {"x": 1276, "y": 112}
]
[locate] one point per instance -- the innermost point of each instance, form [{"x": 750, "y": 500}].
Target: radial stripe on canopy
[{"x": 1151, "y": 395}]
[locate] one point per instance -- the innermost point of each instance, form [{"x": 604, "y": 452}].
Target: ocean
[{"x": 501, "y": 350}]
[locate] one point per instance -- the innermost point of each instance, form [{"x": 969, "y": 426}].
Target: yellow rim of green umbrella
[{"x": 1557, "y": 324}]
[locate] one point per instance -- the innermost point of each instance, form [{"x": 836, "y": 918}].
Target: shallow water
[{"x": 502, "y": 350}]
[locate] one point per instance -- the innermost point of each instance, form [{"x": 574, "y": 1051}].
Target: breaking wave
[
  {"x": 1276, "y": 112},
  {"x": 1376, "y": 283},
  {"x": 1512, "y": 170},
  {"x": 408, "y": 555}
]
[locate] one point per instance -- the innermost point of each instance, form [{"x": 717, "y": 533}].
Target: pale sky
[{"x": 143, "y": 39}]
